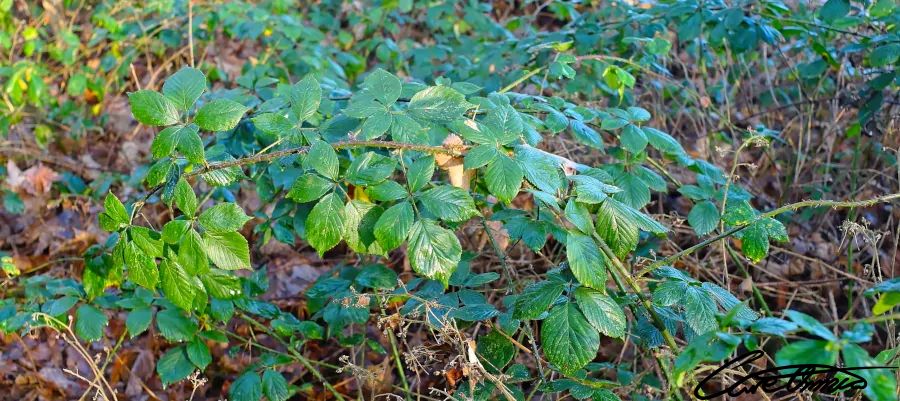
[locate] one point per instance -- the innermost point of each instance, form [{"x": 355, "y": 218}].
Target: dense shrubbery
[{"x": 489, "y": 190}]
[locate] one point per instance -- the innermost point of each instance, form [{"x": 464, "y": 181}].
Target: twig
[
  {"x": 515, "y": 83},
  {"x": 791, "y": 207}
]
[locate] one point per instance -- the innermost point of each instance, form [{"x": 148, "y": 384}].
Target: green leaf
[
  {"x": 699, "y": 309},
  {"x": 773, "y": 326},
  {"x": 89, "y": 323},
  {"x": 273, "y": 124},
  {"x": 384, "y": 86},
  {"x": 617, "y": 228},
  {"x": 834, "y": 9},
  {"x": 228, "y": 250},
  {"x": 393, "y": 226},
  {"x": 659, "y": 46},
  {"x": 542, "y": 170},
  {"x": 191, "y": 255},
  {"x": 670, "y": 292},
  {"x": 601, "y": 311},
  {"x": 325, "y": 223},
  {"x": 474, "y": 313},
  {"x": 738, "y": 213},
  {"x": 639, "y": 114},
  {"x": 755, "y": 242},
  {"x": 376, "y": 125},
  {"x": 407, "y": 130},
  {"x": 507, "y": 124},
  {"x": 694, "y": 192},
  {"x": 174, "y": 366},
  {"x": 175, "y": 326},
  {"x": 176, "y": 284},
  {"x": 815, "y": 352},
  {"x": 142, "y": 269},
  {"x": 635, "y": 192},
  {"x": 184, "y": 138},
  {"x": 434, "y": 251},
  {"x": 439, "y": 104},
  {"x": 811, "y": 325},
  {"x": 663, "y": 142},
  {"x": 387, "y": 191},
  {"x": 556, "y": 121},
  {"x": 147, "y": 240},
  {"x": 376, "y": 276},
  {"x": 247, "y": 387},
  {"x": 322, "y": 158},
  {"x": 138, "y": 321},
  {"x": 305, "y": 98},
  {"x": 537, "y": 298},
  {"x": 476, "y": 131},
  {"x": 643, "y": 221},
  {"x": 583, "y": 133},
  {"x": 776, "y": 230},
  {"x": 605, "y": 395},
  {"x": 359, "y": 226},
  {"x": 587, "y": 263},
  {"x": 590, "y": 190},
  {"x": 274, "y": 386},
  {"x": 633, "y": 139},
  {"x": 152, "y": 108},
  {"x": 881, "y": 383},
  {"x": 223, "y": 217},
  {"x": 370, "y": 168},
  {"x": 496, "y": 350},
  {"x": 613, "y": 123},
  {"x": 185, "y": 198},
  {"x": 728, "y": 302},
  {"x": 114, "y": 215},
  {"x": 504, "y": 178},
  {"x": 420, "y": 173},
  {"x": 704, "y": 217},
  {"x": 577, "y": 214},
  {"x": 449, "y": 203},
  {"x": 309, "y": 187},
  {"x": 174, "y": 230},
  {"x": 220, "y": 115},
  {"x": 184, "y": 87},
  {"x": 198, "y": 353},
  {"x": 884, "y": 55},
  {"x": 480, "y": 156},
  {"x": 221, "y": 284},
  {"x": 363, "y": 105},
  {"x": 568, "y": 339}
]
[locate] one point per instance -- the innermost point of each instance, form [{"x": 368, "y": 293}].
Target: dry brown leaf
[
  {"x": 454, "y": 164},
  {"x": 36, "y": 180}
]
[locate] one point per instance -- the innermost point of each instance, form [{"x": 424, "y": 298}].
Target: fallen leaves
[{"x": 36, "y": 180}]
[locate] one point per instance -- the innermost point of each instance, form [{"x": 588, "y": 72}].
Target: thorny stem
[
  {"x": 264, "y": 157},
  {"x": 619, "y": 269},
  {"x": 775, "y": 212},
  {"x": 500, "y": 255},
  {"x": 616, "y": 278}
]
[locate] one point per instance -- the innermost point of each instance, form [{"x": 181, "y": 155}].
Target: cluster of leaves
[{"x": 365, "y": 167}]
